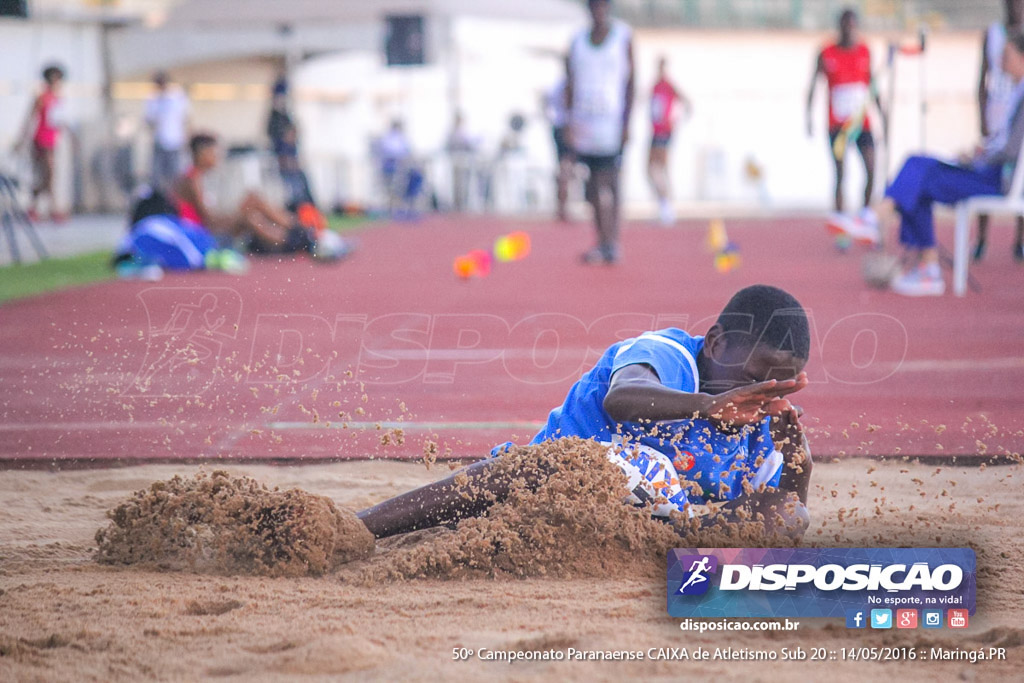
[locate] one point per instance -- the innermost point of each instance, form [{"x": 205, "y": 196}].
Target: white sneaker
[
  {"x": 921, "y": 281},
  {"x": 862, "y": 229}
]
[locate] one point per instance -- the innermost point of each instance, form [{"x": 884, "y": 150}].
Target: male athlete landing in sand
[{"x": 687, "y": 419}]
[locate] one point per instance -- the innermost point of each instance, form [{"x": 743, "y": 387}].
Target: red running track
[{"x": 207, "y": 366}]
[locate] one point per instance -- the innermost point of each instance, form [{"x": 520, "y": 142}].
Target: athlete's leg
[
  {"x": 255, "y": 203},
  {"x": 657, "y": 171},
  {"x": 44, "y": 166},
  {"x": 606, "y": 191},
  {"x": 979, "y": 246},
  {"x": 866, "y": 146},
  {"x": 838, "y": 160},
  {"x": 467, "y": 493}
]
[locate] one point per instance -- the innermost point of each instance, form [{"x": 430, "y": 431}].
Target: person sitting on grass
[
  {"x": 689, "y": 420},
  {"x": 256, "y": 222}
]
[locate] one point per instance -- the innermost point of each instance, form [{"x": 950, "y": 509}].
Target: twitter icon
[{"x": 881, "y": 618}]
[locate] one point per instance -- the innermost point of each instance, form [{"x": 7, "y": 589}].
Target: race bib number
[
  {"x": 596, "y": 102},
  {"x": 848, "y": 100}
]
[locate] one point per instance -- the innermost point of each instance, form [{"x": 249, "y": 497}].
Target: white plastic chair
[{"x": 1011, "y": 203}]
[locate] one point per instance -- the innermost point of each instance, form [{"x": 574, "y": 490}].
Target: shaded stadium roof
[{"x": 239, "y": 13}]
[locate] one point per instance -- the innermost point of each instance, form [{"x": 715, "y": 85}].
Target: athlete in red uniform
[
  {"x": 846, "y": 66},
  {"x": 43, "y": 140},
  {"x": 254, "y": 218},
  {"x": 663, "y": 99}
]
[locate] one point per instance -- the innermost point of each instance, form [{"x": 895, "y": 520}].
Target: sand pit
[
  {"x": 63, "y": 616},
  {"x": 559, "y": 519},
  {"x": 223, "y": 524}
]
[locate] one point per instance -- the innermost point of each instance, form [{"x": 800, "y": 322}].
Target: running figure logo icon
[{"x": 697, "y": 580}]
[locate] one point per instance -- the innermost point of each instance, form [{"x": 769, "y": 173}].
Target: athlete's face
[
  {"x": 207, "y": 157},
  {"x": 732, "y": 363},
  {"x": 600, "y": 12},
  {"x": 848, "y": 27},
  {"x": 1014, "y": 12}
]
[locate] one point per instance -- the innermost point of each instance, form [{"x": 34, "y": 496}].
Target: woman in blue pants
[{"x": 923, "y": 181}]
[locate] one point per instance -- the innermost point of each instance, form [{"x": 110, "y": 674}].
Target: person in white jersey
[
  {"x": 167, "y": 115},
  {"x": 995, "y": 88},
  {"x": 599, "y": 100}
]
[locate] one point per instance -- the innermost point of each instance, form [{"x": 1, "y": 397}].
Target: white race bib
[{"x": 848, "y": 100}]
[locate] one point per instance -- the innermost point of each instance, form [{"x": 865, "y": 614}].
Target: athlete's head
[
  {"x": 1013, "y": 56},
  {"x": 53, "y": 74},
  {"x": 662, "y": 67},
  {"x": 847, "y": 26},
  {"x": 161, "y": 79},
  {"x": 204, "y": 151},
  {"x": 761, "y": 334},
  {"x": 1014, "y": 12},
  {"x": 600, "y": 12}
]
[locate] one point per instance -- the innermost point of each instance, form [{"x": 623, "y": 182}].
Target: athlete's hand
[
  {"x": 785, "y": 419},
  {"x": 750, "y": 404},
  {"x": 789, "y": 439},
  {"x": 625, "y": 136}
]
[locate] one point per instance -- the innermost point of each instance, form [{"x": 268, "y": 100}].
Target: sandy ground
[{"x": 64, "y": 617}]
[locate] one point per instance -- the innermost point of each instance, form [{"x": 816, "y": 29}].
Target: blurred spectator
[
  {"x": 995, "y": 93},
  {"x": 295, "y": 181},
  {"x": 664, "y": 95},
  {"x": 401, "y": 179},
  {"x": 461, "y": 150},
  {"x": 279, "y": 123},
  {"x": 599, "y": 98},
  {"x": 256, "y": 222},
  {"x": 42, "y": 130},
  {"x": 167, "y": 115}
]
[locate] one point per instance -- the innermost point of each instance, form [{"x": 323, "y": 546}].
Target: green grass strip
[{"x": 20, "y": 281}]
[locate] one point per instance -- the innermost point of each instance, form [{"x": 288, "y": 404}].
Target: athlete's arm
[
  {"x": 683, "y": 100},
  {"x": 883, "y": 118},
  {"x": 819, "y": 68},
  {"x": 630, "y": 87},
  {"x": 636, "y": 393},
  {"x": 983, "y": 87},
  {"x": 26, "y": 127}
]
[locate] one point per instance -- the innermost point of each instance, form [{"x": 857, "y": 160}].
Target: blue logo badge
[
  {"x": 881, "y": 618},
  {"x": 931, "y": 618},
  {"x": 697, "y": 578},
  {"x": 856, "y": 618}
]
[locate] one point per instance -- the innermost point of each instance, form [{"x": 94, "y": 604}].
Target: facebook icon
[{"x": 856, "y": 618}]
